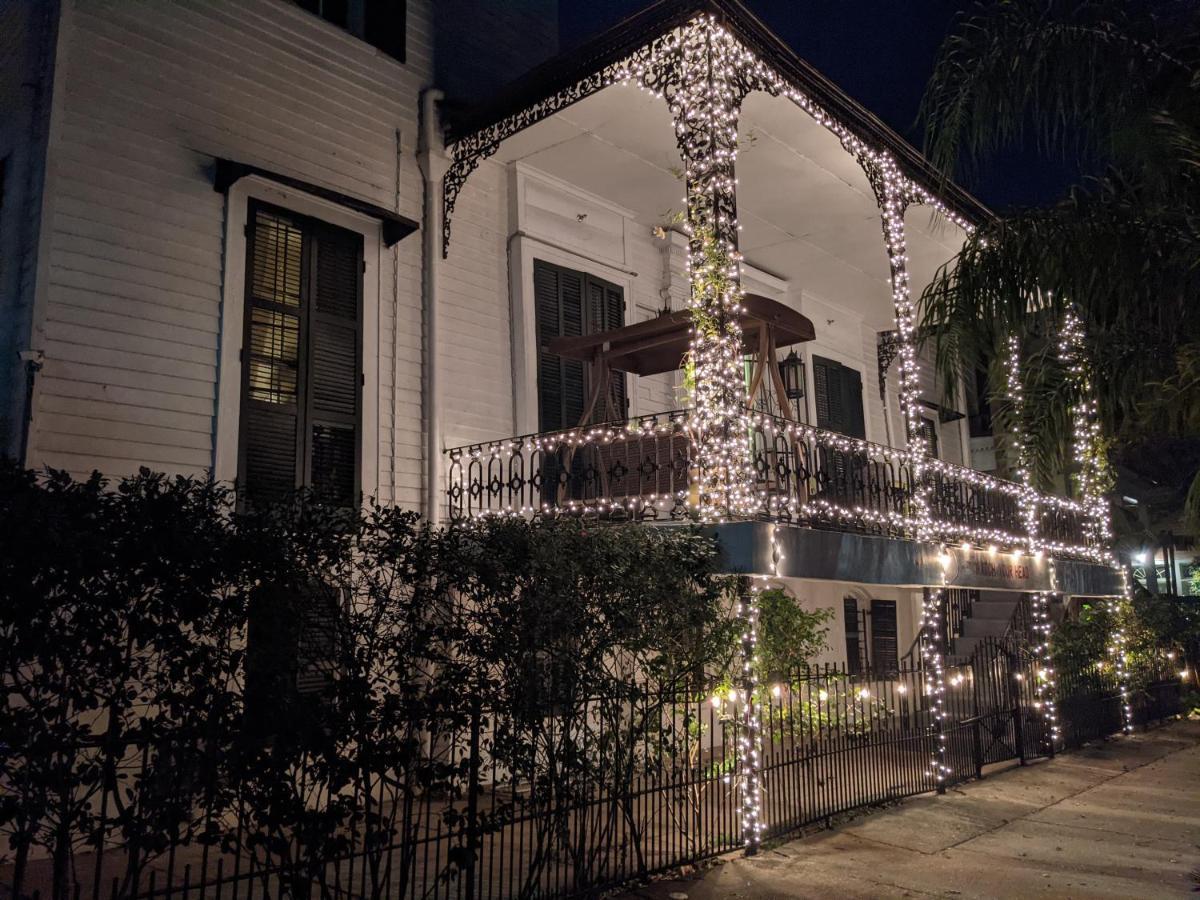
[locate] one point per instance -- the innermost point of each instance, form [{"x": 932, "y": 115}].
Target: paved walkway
[{"x": 1118, "y": 819}]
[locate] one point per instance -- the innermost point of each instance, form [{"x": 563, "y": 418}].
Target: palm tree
[{"x": 1116, "y": 86}]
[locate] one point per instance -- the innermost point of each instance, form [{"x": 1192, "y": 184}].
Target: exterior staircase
[{"x": 990, "y": 616}]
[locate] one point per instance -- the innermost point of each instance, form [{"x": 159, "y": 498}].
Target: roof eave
[{"x": 620, "y": 41}]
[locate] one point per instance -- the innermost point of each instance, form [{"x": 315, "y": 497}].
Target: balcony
[{"x": 645, "y": 470}]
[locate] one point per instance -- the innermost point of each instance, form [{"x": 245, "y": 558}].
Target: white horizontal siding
[
  {"x": 476, "y": 336},
  {"x": 153, "y": 92}
]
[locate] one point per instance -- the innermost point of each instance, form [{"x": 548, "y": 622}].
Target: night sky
[{"x": 881, "y": 52}]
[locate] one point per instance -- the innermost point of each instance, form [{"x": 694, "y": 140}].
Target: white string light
[
  {"x": 935, "y": 678},
  {"x": 1091, "y": 477},
  {"x": 1044, "y": 684}
]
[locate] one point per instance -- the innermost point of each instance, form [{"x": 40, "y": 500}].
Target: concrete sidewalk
[{"x": 1117, "y": 819}]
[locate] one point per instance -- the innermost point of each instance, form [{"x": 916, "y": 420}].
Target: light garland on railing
[
  {"x": 774, "y": 504},
  {"x": 1092, "y": 479}
]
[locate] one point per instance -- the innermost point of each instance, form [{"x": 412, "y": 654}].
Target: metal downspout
[{"x": 433, "y": 161}]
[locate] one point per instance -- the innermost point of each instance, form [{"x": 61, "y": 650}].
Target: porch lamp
[{"x": 791, "y": 371}]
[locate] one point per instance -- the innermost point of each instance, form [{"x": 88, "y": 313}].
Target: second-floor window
[
  {"x": 837, "y": 390},
  {"x": 380, "y": 23},
  {"x": 569, "y": 304},
  {"x": 301, "y": 358}
]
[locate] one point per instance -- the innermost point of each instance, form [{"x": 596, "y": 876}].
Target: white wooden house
[{"x": 257, "y": 239}]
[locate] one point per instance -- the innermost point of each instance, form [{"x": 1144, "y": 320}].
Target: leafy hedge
[{"x": 153, "y": 638}]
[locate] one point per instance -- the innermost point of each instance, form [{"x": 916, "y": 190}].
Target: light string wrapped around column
[
  {"x": 750, "y": 734},
  {"x": 705, "y": 110},
  {"x": 1092, "y": 479},
  {"x": 1044, "y": 683},
  {"x": 935, "y": 678}
]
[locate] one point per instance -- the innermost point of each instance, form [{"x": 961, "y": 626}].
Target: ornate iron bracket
[{"x": 654, "y": 67}]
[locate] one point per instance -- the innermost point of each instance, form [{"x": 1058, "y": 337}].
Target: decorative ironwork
[
  {"x": 655, "y": 67},
  {"x": 647, "y": 470}
]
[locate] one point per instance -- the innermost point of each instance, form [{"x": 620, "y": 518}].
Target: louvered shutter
[
  {"x": 384, "y": 26},
  {"x": 839, "y": 404},
  {"x": 827, "y": 392},
  {"x": 854, "y": 662},
  {"x": 852, "y": 405},
  {"x": 271, "y": 396},
  {"x": 302, "y": 359},
  {"x": 885, "y": 647},
  {"x": 335, "y": 365},
  {"x": 558, "y": 303},
  {"x": 606, "y": 310}
]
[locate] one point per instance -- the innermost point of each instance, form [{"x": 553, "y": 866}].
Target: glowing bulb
[
  {"x": 822, "y": 694},
  {"x": 863, "y": 693},
  {"x": 716, "y": 701},
  {"x": 965, "y": 546},
  {"x": 902, "y": 689},
  {"x": 992, "y": 549},
  {"x": 777, "y": 690}
]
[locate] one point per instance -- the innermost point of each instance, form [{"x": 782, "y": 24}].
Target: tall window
[
  {"x": 569, "y": 304},
  {"x": 302, "y": 359},
  {"x": 380, "y": 23},
  {"x": 838, "y": 394},
  {"x": 855, "y": 662},
  {"x": 885, "y": 646}
]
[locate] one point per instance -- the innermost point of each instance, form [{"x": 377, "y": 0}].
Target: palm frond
[
  {"x": 1074, "y": 75},
  {"x": 1126, "y": 262}
]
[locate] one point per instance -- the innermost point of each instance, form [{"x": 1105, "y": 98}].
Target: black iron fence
[
  {"x": 555, "y": 802},
  {"x": 645, "y": 469}
]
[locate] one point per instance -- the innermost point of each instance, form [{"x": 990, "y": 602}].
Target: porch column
[
  {"x": 1044, "y": 684},
  {"x": 1092, "y": 461},
  {"x": 704, "y": 105},
  {"x": 893, "y": 200}
]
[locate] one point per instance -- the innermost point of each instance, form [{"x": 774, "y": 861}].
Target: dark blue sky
[{"x": 881, "y": 52}]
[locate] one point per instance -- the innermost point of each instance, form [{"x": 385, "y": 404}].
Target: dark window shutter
[
  {"x": 384, "y": 26},
  {"x": 571, "y": 293},
  {"x": 550, "y": 387},
  {"x": 838, "y": 391},
  {"x": 271, "y": 396},
  {"x": 335, "y": 366},
  {"x": 885, "y": 647},
  {"x": 302, "y": 359},
  {"x": 559, "y": 312},
  {"x": 828, "y": 393},
  {"x": 606, "y": 310},
  {"x": 852, "y": 405},
  {"x": 854, "y": 662},
  {"x": 317, "y": 640}
]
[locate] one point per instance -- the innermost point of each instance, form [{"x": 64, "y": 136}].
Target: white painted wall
[
  {"x": 132, "y": 319},
  {"x": 814, "y": 595}
]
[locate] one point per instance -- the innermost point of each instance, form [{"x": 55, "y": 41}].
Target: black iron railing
[
  {"x": 646, "y": 469},
  {"x": 655, "y": 785}
]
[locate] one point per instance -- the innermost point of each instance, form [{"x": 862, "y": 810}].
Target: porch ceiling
[{"x": 807, "y": 211}]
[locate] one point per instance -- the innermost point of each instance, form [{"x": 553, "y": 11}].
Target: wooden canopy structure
[{"x": 661, "y": 344}]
